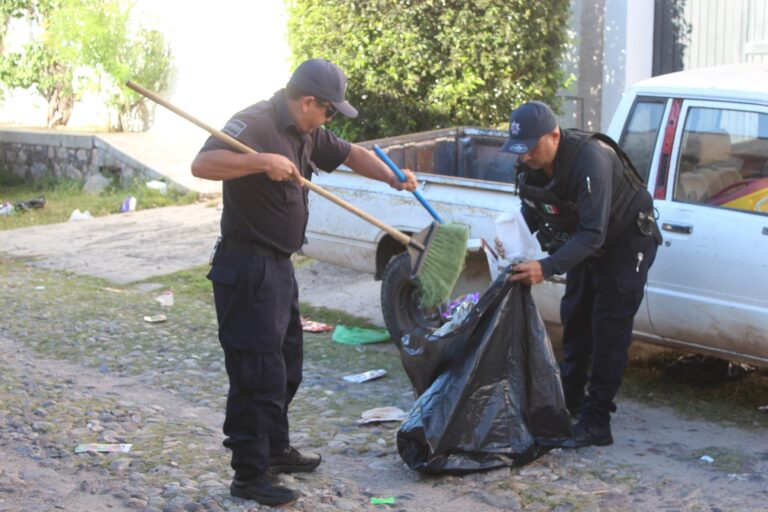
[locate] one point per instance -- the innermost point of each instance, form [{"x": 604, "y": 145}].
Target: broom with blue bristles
[
  {"x": 437, "y": 252},
  {"x": 438, "y": 274}
]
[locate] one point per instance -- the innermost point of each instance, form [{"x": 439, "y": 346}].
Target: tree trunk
[{"x": 59, "y": 108}]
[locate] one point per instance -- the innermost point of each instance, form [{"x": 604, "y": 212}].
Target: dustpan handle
[{"x": 401, "y": 175}]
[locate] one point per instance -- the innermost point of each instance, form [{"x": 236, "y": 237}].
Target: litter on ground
[
  {"x": 381, "y": 414},
  {"x": 78, "y": 215},
  {"x": 103, "y": 448},
  {"x": 308, "y": 325},
  {"x": 128, "y": 205},
  {"x": 365, "y": 376},
  {"x": 359, "y": 335},
  {"x": 165, "y": 298},
  {"x": 160, "y": 186},
  {"x": 389, "y": 500}
]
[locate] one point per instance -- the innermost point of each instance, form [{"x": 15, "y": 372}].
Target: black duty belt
[{"x": 232, "y": 245}]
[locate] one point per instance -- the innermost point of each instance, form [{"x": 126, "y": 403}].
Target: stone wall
[{"x": 35, "y": 154}]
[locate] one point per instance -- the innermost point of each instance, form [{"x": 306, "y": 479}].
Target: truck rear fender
[{"x": 386, "y": 249}]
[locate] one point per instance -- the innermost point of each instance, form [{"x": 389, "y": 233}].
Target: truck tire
[{"x": 400, "y": 300}]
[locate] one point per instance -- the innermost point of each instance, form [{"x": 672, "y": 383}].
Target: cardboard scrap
[
  {"x": 312, "y": 326},
  {"x": 382, "y": 414}
]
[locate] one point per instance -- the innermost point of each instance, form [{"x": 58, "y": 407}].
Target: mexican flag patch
[{"x": 550, "y": 209}]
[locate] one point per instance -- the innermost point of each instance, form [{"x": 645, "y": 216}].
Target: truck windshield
[{"x": 641, "y": 132}]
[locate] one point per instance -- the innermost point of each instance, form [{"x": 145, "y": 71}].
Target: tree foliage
[
  {"x": 422, "y": 64},
  {"x": 144, "y": 58},
  {"x": 86, "y": 45},
  {"x": 9, "y": 9}
]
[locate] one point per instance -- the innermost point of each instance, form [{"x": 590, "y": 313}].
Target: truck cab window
[
  {"x": 641, "y": 131},
  {"x": 723, "y": 159}
]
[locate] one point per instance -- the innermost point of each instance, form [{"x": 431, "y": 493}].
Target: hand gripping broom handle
[{"x": 396, "y": 234}]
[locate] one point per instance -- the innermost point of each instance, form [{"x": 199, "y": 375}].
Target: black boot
[
  {"x": 292, "y": 461},
  {"x": 574, "y": 407},
  {"x": 588, "y": 432},
  {"x": 263, "y": 489}
]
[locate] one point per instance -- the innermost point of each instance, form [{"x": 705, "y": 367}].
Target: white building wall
[
  {"x": 726, "y": 32},
  {"x": 627, "y": 50}
]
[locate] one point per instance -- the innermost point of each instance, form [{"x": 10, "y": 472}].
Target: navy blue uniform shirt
[{"x": 589, "y": 187}]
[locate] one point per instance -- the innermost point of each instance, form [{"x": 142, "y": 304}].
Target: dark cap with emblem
[
  {"x": 527, "y": 124},
  {"x": 324, "y": 80}
]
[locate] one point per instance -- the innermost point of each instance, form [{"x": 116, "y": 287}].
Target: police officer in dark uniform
[
  {"x": 594, "y": 216},
  {"x": 255, "y": 292}
]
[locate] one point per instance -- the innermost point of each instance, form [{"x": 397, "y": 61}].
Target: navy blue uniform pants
[
  {"x": 602, "y": 295},
  {"x": 260, "y": 331}
]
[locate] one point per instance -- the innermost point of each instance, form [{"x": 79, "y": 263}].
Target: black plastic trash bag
[
  {"x": 23, "y": 206},
  {"x": 490, "y": 392}
]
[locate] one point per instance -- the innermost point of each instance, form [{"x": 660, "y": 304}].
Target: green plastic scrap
[
  {"x": 359, "y": 335},
  {"x": 389, "y": 500}
]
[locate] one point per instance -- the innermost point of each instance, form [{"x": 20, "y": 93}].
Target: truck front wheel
[{"x": 400, "y": 300}]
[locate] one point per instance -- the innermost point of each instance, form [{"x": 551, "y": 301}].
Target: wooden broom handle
[{"x": 398, "y": 235}]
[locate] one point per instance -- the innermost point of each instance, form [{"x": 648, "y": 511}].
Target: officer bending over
[
  {"x": 592, "y": 213},
  {"x": 262, "y": 224}
]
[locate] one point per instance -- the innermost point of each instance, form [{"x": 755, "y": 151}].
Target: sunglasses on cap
[{"x": 330, "y": 110}]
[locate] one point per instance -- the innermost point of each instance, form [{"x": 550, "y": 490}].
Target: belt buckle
[{"x": 213, "y": 251}]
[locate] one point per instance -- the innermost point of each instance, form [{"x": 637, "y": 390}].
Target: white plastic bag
[
  {"x": 78, "y": 215},
  {"x": 7, "y": 209},
  {"x": 160, "y": 186},
  {"x": 515, "y": 237}
]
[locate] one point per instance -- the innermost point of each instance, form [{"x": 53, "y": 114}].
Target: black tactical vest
[{"x": 558, "y": 218}]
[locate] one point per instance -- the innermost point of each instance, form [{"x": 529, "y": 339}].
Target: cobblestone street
[{"x": 80, "y": 365}]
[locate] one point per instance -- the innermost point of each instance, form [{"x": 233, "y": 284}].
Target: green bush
[{"x": 421, "y": 64}]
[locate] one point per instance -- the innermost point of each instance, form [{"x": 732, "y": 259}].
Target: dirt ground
[
  {"x": 143, "y": 244},
  {"x": 655, "y": 464}
]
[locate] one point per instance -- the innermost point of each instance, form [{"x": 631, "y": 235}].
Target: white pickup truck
[{"x": 699, "y": 138}]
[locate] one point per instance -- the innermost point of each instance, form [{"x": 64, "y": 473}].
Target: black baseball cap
[
  {"x": 527, "y": 124},
  {"x": 323, "y": 79}
]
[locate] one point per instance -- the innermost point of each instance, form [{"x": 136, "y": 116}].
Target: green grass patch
[
  {"x": 63, "y": 196},
  {"x": 735, "y": 401}
]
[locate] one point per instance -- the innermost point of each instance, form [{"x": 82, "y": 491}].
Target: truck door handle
[
  {"x": 765, "y": 231},
  {"x": 685, "y": 229}
]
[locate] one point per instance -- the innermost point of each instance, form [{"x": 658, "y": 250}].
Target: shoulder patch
[{"x": 234, "y": 127}]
